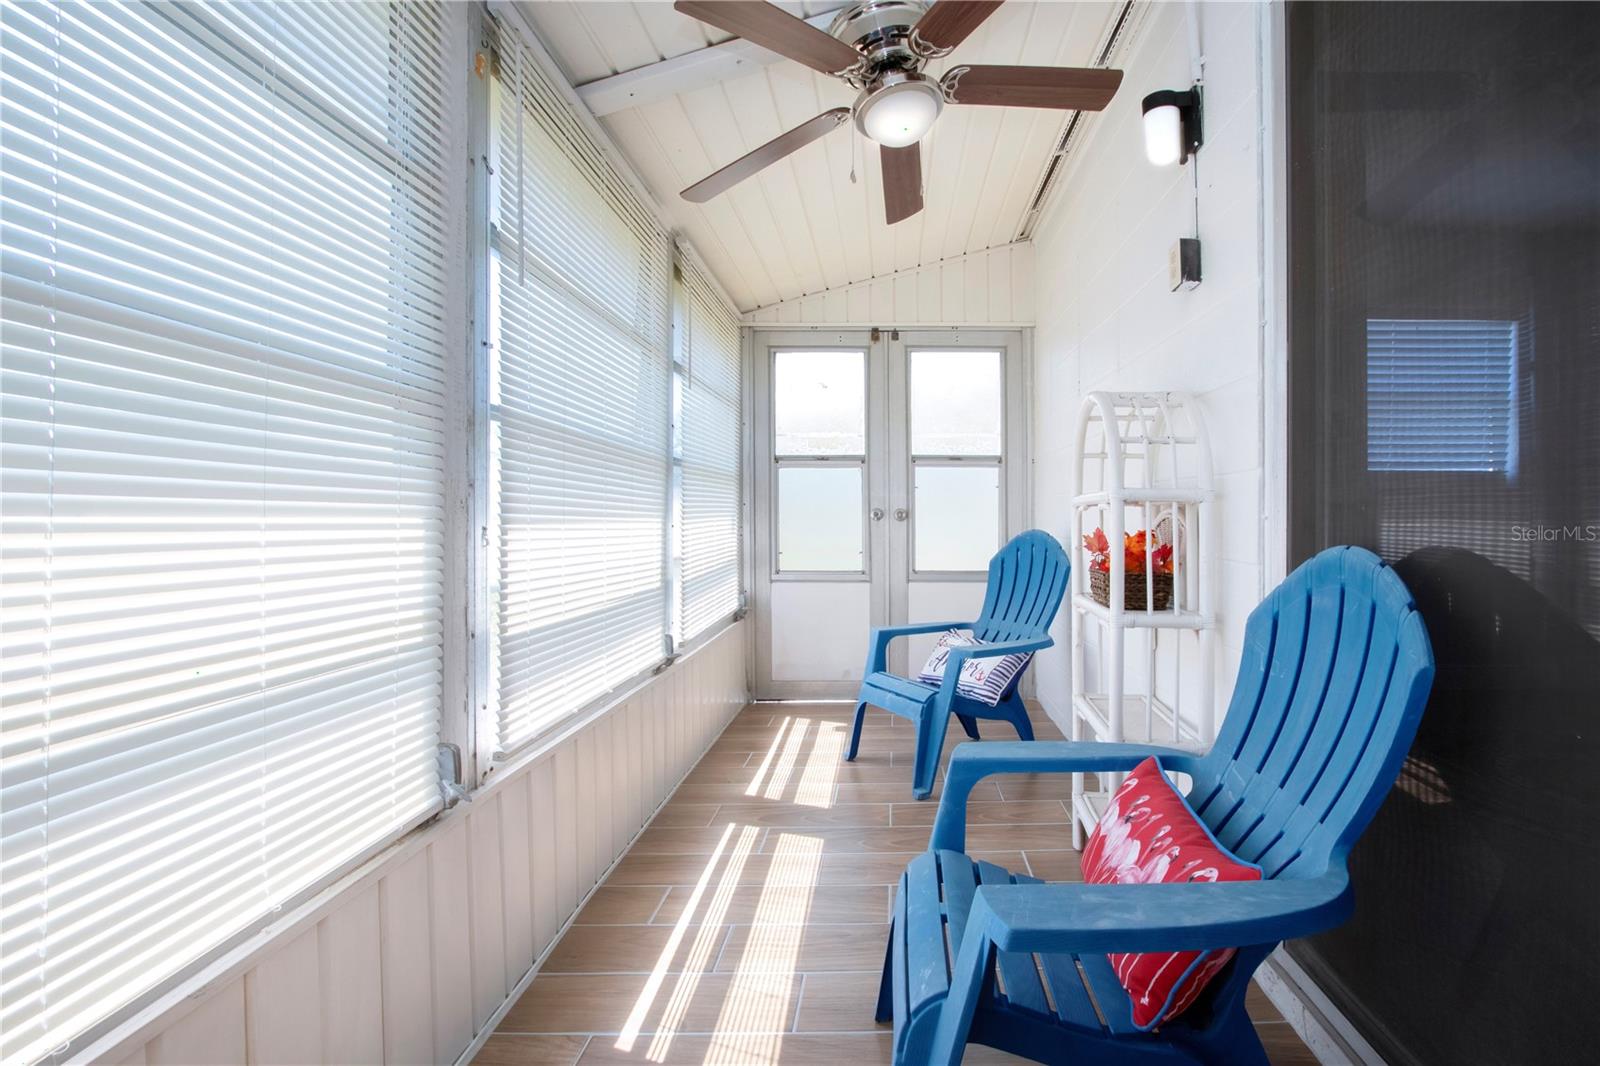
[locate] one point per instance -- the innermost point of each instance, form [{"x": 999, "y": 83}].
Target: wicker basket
[{"x": 1132, "y": 590}]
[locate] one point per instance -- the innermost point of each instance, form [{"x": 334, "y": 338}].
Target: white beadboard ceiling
[{"x": 801, "y": 226}]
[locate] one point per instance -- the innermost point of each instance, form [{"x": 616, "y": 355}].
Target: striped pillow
[
  {"x": 1149, "y": 835},
  {"x": 984, "y": 680}
]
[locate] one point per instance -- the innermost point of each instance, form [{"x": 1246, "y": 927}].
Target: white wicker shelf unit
[{"x": 1143, "y": 462}]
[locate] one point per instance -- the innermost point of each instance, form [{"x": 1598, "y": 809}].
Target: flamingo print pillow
[{"x": 1148, "y": 835}]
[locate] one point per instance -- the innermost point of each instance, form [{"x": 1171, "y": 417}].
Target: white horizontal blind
[
  {"x": 1441, "y": 395},
  {"x": 222, "y": 472},
  {"x": 580, "y": 311},
  {"x": 710, "y": 433}
]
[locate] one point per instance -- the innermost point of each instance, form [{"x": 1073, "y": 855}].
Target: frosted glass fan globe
[{"x": 901, "y": 114}]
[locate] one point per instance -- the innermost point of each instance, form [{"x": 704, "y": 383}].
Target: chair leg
[
  {"x": 885, "y": 1011},
  {"x": 973, "y": 964},
  {"x": 855, "y": 732},
  {"x": 970, "y": 724},
  {"x": 931, "y": 728},
  {"x": 1017, "y": 711}
]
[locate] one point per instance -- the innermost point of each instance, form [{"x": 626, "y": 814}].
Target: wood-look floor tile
[
  {"x": 776, "y": 1049},
  {"x": 900, "y": 792},
  {"x": 688, "y": 1002},
  {"x": 914, "y": 838},
  {"x": 686, "y": 814},
  {"x": 1029, "y": 787},
  {"x": 803, "y": 949},
  {"x": 839, "y": 1002},
  {"x": 803, "y": 815},
  {"x": 680, "y": 840},
  {"x": 1035, "y": 812},
  {"x": 502, "y": 1050},
  {"x": 838, "y": 869},
  {"x": 1284, "y": 1046},
  {"x": 635, "y": 949},
  {"x": 869, "y": 767},
  {"x": 781, "y": 904},
  {"x": 1058, "y": 865},
  {"x": 615, "y": 904}
]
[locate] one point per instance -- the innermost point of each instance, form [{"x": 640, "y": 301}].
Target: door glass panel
[
  {"x": 956, "y": 511},
  {"x": 955, "y": 402},
  {"x": 819, "y": 403},
  {"x": 819, "y": 518}
]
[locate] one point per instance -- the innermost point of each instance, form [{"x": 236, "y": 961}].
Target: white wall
[
  {"x": 409, "y": 959},
  {"x": 1107, "y": 320},
  {"x": 993, "y": 288}
]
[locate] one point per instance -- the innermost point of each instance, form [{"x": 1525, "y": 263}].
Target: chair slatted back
[
  {"x": 1027, "y": 578},
  {"x": 1335, "y": 672}
]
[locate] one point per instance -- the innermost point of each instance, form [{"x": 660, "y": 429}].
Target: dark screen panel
[{"x": 1445, "y": 412}]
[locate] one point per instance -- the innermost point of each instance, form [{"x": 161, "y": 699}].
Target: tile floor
[{"x": 746, "y": 924}]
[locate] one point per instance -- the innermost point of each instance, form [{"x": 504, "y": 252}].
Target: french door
[{"x": 887, "y": 472}]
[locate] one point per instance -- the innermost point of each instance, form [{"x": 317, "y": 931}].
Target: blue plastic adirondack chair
[
  {"x": 1335, "y": 672},
  {"x": 1026, "y": 580}
]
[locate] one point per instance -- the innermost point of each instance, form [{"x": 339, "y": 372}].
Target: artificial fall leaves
[{"x": 1133, "y": 553}]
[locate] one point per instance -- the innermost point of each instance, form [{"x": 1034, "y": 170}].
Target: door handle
[
  {"x": 900, "y": 514},
  {"x": 877, "y": 514}
]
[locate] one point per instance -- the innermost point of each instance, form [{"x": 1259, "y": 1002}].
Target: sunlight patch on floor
[
  {"x": 759, "y": 1004},
  {"x": 707, "y": 937},
  {"x": 771, "y": 753},
  {"x": 783, "y": 768},
  {"x": 821, "y": 774}
]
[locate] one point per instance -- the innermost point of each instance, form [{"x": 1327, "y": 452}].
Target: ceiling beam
[{"x": 692, "y": 70}]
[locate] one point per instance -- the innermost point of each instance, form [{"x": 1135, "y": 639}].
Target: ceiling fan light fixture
[{"x": 900, "y": 110}]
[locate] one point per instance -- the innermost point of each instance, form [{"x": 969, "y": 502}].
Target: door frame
[
  {"x": 1015, "y": 464},
  {"x": 887, "y": 568}
]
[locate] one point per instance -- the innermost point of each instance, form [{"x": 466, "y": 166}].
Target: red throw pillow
[{"x": 1149, "y": 836}]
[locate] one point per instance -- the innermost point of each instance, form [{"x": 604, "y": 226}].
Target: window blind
[
  {"x": 579, "y": 384},
  {"x": 222, "y": 478},
  {"x": 710, "y": 435},
  {"x": 1441, "y": 395}
]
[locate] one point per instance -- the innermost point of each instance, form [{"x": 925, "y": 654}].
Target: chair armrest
[
  {"x": 1178, "y": 917},
  {"x": 970, "y": 763},
  {"x": 878, "y": 654}
]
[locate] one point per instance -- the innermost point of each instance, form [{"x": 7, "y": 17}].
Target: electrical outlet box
[{"x": 1183, "y": 264}]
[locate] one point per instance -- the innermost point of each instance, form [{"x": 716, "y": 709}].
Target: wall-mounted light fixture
[{"x": 1172, "y": 125}]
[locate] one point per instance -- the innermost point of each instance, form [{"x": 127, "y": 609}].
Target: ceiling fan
[{"x": 879, "y": 48}]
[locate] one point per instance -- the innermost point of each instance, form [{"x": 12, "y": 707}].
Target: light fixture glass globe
[
  {"x": 900, "y": 115},
  {"x": 1163, "y": 135}
]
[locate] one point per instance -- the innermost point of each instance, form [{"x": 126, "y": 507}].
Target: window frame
[
  {"x": 914, "y": 460},
  {"x": 778, "y": 462}
]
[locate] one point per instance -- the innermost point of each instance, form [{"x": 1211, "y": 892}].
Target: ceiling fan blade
[
  {"x": 776, "y": 30},
  {"x": 902, "y": 181},
  {"x": 949, "y": 22},
  {"x": 748, "y": 164},
  {"x": 1065, "y": 88}
]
